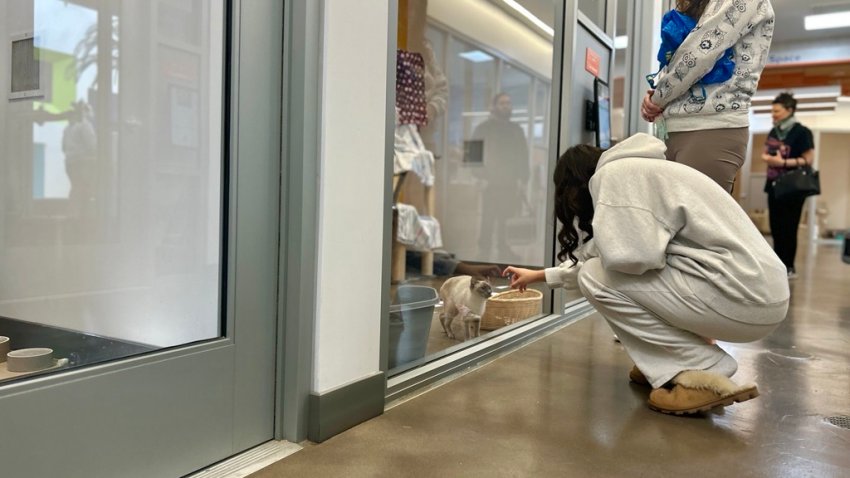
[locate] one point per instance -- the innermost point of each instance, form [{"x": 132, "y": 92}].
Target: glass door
[{"x": 138, "y": 233}]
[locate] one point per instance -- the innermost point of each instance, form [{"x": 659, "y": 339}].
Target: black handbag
[{"x": 798, "y": 183}]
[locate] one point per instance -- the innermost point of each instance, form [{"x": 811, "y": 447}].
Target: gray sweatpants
[
  {"x": 661, "y": 322},
  {"x": 717, "y": 153}
]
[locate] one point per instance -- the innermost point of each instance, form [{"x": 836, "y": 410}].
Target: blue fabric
[{"x": 675, "y": 27}]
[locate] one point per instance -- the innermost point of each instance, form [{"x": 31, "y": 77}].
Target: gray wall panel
[
  {"x": 139, "y": 418},
  {"x": 257, "y": 162}
]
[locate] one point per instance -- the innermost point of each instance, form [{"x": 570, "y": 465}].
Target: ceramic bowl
[
  {"x": 29, "y": 360},
  {"x": 4, "y": 348}
]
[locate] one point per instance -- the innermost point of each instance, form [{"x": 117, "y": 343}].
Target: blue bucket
[{"x": 410, "y": 323}]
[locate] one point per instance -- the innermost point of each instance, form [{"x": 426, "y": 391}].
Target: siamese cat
[{"x": 466, "y": 297}]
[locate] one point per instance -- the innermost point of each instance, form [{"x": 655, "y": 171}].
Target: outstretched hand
[{"x": 522, "y": 278}]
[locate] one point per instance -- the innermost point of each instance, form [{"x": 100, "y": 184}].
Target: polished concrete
[{"x": 563, "y": 407}]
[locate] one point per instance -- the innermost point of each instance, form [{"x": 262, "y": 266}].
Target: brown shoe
[
  {"x": 636, "y": 376},
  {"x": 697, "y": 391}
]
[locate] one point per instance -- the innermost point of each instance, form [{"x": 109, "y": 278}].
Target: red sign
[{"x": 591, "y": 62}]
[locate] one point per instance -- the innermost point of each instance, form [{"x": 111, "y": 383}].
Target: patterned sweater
[{"x": 746, "y": 26}]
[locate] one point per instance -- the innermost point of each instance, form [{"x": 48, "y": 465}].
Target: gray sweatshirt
[
  {"x": 746, "y": 26},
  {"x": 650, "y": 213}
]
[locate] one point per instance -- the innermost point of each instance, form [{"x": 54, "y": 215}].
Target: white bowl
[
  {"x": 29, "y": 360},
  {"x": 4, "y": 348}
]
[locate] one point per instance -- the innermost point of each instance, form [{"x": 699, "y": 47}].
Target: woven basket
[{"x": 510, "y": 307}]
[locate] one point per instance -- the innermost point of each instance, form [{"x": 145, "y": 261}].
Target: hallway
[{"x": 563, "y": 406}]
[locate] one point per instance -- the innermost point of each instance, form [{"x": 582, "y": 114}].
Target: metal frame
[
  {"x": 389, "y": 146},
  {"x": 404, "y": 384},
  {"x": 207, "y": 402},
  {"x": 301, "y": 134},
  {"x": 565, "y": 35},
  {"x": 443, "y": 364},
  {"x": 639, "y": 58}
]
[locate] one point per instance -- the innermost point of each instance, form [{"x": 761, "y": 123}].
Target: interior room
[{"x": 471, "y": 176}]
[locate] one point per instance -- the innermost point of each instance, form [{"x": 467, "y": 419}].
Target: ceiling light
[
  {"x": 530, "y": 16},
  {"x": 475, "y": 56},
  {"x": 828, "y": 20},
  {"x": 621, "y": 42}
]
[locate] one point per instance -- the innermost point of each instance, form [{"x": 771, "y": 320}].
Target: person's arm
[
  {"x": 807, "y": 158},
  {"x": 808, "y": 149},
  {"x": 630, "y": 239},
  {"x": 586, "y": 251},
  {"x": 563, "y": 276},
  {"x": 774, "y": 160},
  {"x": 805, "y": 143},
  {"x": 522, "y": 278},
  {"x": 721, "y": 26}
]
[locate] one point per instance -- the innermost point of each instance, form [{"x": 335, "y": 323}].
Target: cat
[{"x": 466, "y": 297}]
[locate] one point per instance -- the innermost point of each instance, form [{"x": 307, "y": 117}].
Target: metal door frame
[{"x": 173, "y": 411}]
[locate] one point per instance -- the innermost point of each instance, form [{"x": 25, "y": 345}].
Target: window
[
  {"x": 472, "y": 177},
  {"x": 110, "y": 244}
]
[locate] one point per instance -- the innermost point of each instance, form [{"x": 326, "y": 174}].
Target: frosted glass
[{"x": 111, "y": 183}]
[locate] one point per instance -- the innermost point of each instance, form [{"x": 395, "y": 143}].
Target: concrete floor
[{"x": 563, "y": 406}]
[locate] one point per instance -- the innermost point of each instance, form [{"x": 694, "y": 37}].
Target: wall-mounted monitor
[{"x": 602, "y": 100}]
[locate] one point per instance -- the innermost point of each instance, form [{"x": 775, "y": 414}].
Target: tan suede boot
[
  {"x": 699, "y": 391},
  {"x": 636, "y": 376}
]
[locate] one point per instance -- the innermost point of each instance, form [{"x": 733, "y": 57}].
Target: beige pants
[
  {"x": 717, "y": 153},
  {"x": 661, "y": 322}
]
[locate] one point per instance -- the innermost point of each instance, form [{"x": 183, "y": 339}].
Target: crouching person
[{"x": 671, "y": 261}]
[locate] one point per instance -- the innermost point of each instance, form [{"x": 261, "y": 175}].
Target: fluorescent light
[
  {"x": 530, "y": 16},
  {"x": 475, "y": 56},
  {"x": 828, "y": 20},
  {"x": 621, "y": 42}
]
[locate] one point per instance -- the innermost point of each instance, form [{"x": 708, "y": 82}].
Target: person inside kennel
[{"x": 670, "y": 260}]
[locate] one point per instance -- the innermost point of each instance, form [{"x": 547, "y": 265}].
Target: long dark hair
[
  {"x": 692, "y": 8},
  {"x": 572, "y": 197}
]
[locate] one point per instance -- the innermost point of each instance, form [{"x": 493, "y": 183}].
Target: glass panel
[
  {"x": 110, "y": 219},
  {"x": 618, "y": 89},
  {"x": 433, "y": 133},
  {"x": 595, "y": 11},
  {"x": 484, "y": 208}
]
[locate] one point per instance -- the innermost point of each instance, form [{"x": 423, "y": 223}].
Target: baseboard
[{"x": 339, "y": 409}]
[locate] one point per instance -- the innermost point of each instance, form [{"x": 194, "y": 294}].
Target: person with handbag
[
  {"x": 790, "y": 149},
  {"x": 700, "y": 99}
]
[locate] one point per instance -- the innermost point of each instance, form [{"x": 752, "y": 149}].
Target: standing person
[
  {"x": 707, "y": 125},
  {"x": 505, "y": 171},
  {"x": 667, "y": 257},
  {"x": 789, "y": 145}
]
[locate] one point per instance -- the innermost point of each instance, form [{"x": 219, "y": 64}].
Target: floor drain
[{"x": 842, "y": 421}]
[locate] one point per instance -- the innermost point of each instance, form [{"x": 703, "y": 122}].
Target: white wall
[
  {"x": 809, "y": 51},
  {"x": 489, "y": 25},
  {"x": 351, "y": 212},
  {"x": 837, "y": 120}
]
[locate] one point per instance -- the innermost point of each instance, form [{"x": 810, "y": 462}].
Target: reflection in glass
[
  {"x": 489, "y": 135},
  {"x": 109, "y": 224},
  {"x": 595, "y": 11},
  {"x": 618, "y": 86}
]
